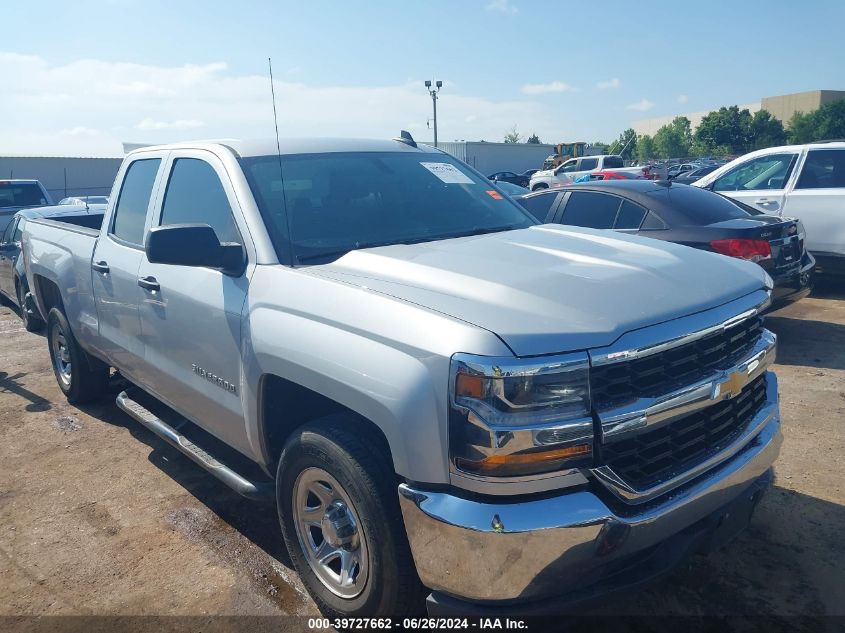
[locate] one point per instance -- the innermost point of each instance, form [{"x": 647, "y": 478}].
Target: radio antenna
[{"x": 279, "y": 154}]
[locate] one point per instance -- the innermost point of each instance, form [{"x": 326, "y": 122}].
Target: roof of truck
[{"x": 265, "y": 147}]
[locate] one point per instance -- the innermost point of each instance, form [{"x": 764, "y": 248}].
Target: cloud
[
  {"x": 502, "y": 6},
  {"x": 641, "y": 106},
  {"x": 89, "y": 107},
  {"x": 542, "y": 89},
  {"x": 180, "y": 124},
  {"x": 683, "y": 98},
  {"x": 610, "y": 83}
]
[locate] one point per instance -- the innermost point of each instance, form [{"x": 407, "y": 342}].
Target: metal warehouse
[
  {"x": 64, "y": 176},
  {"x": 488, "y": 158}
]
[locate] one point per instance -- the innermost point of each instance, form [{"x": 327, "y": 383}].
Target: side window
[
  {"x": 131, "y": 210},
  {"x": 18, "y": 234},
  {"x": 195, "y": 195},
  {"x": 568, "y": 167},
  {"x": 652, "y": 223},
  {"x": 823, "y": 169},
  {"x": 764, "y": 172},
  {"x": 613, "y": 162},
  {"x": 592, "y": 210},
  {"x": 539, "y": 205},
  {"x": 630, "y": 216},
  {"x": 588, "y": 164}
]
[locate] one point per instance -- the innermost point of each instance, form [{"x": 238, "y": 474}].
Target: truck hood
[{"x": 549, "y": 289}]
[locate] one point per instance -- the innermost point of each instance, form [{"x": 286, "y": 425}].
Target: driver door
[{"x": 760, "y": 182}]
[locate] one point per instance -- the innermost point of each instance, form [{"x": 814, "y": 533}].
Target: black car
[
  {"x": 509, "y": 176},
  {"x": 686, "y": 215},
  {"x": 690, "y": 177},
  {"x": 13, "y": 285}
]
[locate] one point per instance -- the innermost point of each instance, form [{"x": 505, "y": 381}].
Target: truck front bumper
[{"x": 499, "y": 553}]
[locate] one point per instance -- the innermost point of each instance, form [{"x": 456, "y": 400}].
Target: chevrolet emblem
[{"x": 731, "y": 387}]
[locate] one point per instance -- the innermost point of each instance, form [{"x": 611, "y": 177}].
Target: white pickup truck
[
  {"x": 571, "y": 170},
  {"x": 801, "y": 181}
]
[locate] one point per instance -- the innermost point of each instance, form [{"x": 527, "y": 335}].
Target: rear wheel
[
  {"x": 340, "y": 517},
  {"x": 81, "y": 377},
  {"x": 31, "y": 322}
]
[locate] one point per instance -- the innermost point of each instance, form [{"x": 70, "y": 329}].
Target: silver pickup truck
[{"x": 442, "y": 397}]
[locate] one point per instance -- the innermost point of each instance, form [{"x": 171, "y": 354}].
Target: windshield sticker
[
  {"x": 494, "y": 194},
  {"x": 448, "y": 173}
]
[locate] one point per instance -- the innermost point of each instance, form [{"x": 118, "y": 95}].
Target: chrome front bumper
[{"x": 527, "y": 550}]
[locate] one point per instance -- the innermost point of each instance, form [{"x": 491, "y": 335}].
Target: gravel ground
[{"x": 100, "y": 517}]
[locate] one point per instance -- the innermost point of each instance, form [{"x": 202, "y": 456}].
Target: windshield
[
  {"x": 337, "y": 202},
  {"x": 21, "y": 194}
]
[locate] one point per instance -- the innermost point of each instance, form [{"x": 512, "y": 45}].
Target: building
[
  {"x": 781, "y": 107},
  {"x": 64, "y": 176},
  {"x": 488, "y": 158}
]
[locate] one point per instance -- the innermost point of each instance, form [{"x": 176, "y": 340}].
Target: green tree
[
  {"x": 729, "y": 127},
  {"x": 674, "y": 139},
  {"x": 626, "y": 145},
  {"x": 512, "y": 136},
  {"x": 826, "y": 123},
  {"x": 765, "y": 131},
  {"x": 534, "y": 139},
  {"x": 645, "y": 148},
  {"x": 802, "y": 127}
]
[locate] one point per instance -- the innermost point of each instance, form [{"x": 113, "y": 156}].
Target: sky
[{"x": 78, "y": 78}]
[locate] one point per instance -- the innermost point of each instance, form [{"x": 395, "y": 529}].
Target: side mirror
[{"x": 193, "y": 245}]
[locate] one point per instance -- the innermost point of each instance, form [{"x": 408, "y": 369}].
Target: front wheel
[
  {"x": 81, "y": 377},
  {"x": 540, "y": 187},
  {"x": 339, "y": 511}
]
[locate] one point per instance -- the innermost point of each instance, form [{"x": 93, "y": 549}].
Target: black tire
[
  {"x": 338, "y": 446},
  {"x": 86, "y": 377},
  {"x": 31, "y": 322},
  {"x": 540, "y": 187}
]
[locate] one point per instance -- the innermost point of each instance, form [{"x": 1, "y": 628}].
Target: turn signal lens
[
  {"x": 752, "y": 250},
  {"x": 523, "y": 463}
]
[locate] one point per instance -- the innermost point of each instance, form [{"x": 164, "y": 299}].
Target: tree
[
  {"x": 674, "y": 139},
  {"x": 828, "y": 122},
  {"x": 729, "y": 127},
  {"x": 534, "y": 139},
  {"x": 627, "y": 144},
  {"x": 802, "y": 127},
  {"x": 765, "y": 131},
  {"x": 645, "y": 148},
  {"x": 512, "y": 136}
]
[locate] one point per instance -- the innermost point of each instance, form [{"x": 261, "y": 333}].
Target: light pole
[{"x": 433, "y": 92}]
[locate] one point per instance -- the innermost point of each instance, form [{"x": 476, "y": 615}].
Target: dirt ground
[{"x": 100, "y": 517}]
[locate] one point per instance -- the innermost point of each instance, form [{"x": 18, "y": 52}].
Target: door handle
[
  {"x": 149, "y": 283},
  {"x": 765, "y": 202},
  {"x": 101, "y": 267}
]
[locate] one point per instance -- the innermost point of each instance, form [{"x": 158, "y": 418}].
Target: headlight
[{"x": 513, "y": 417}]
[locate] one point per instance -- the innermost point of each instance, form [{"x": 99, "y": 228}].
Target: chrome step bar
[{"x": 261, "y": 491}]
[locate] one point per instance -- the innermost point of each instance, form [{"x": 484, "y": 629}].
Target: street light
[{"x": 433, "y": 92}]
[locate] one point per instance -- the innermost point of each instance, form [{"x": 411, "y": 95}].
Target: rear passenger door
[
  {"x": 191, "y": 316},
  {"x": 818, "y": 200},
  {"x": 115, "y": 264}
]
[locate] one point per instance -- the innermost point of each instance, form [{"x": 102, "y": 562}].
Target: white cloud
[
  {"x": 610, "y": 83},
  {"x": 502, "y": 6},
  {"x": 179, "y": 124},
  {"x": 683, "y": 98},
  {"x": 542, "y": 89},
  {"x": 641, "y": 106},
  {"x": 90, "y": 106}
]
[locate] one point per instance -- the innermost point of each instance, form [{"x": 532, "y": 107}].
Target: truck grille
[
  {"x": 648, "y": 458},
  {"x": 620, "y": 383}
]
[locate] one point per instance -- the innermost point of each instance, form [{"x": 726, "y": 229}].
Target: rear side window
[
  {"x": 630, "y": 216},
  {"x": 823, "y": 169},
  {"x": 539, "y": 205},
  {"x": 131, "y": 210},
  {"x": 195, "y": 195},
  {"x": 588, "y": 164},
  {"x": 652, "y": 223},
  {"x": 613, "y": 162},
  {"x": 591, "y": 210},
  {"x": 700, "y": 206}
]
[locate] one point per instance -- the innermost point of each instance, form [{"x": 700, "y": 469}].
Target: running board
[{"x": 260, "y": 491}]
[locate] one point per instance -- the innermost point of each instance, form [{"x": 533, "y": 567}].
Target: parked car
[
  {"x": 692, "y": 176},
  {"x": 689, "y": 216},
  {"x": 512, "y": 189},
  {"x": 803, "y": 181},
  {"x": 13, "y": 283},
  {"x": 528, "y": 173},
  {"x": 682, "y": 168},
  {"x": 509, "y": 176},
  {"x": 20, "y": 194},
  {"x": 94, "y": 203},
  {"x": 612, "y": 175},
  {"x": 572, "y": 169},
  {"x": 440, "y": 396}
]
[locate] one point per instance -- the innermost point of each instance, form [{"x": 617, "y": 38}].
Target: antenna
[{"x": 279, "y": 154}]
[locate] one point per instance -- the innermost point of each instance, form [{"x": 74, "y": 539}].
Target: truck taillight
[{"x": 752, "y": 250}]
